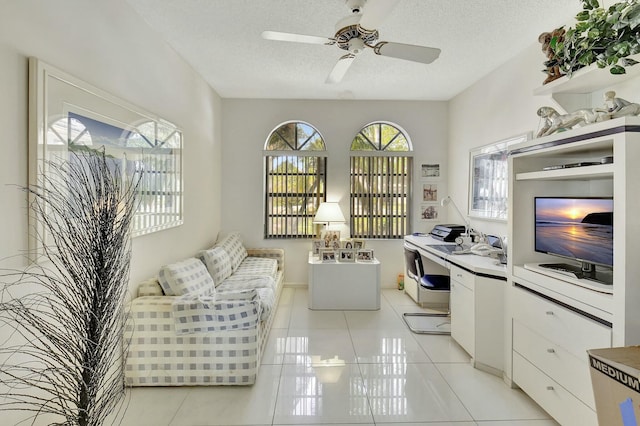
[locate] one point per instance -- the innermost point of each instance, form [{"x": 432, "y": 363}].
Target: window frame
[
  {"x": 377, "y": 157},
  {"x": 299, "y": 153},
  {"x": 489, "y": 179}
]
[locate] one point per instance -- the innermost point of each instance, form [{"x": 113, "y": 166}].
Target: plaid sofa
[{"x": 205, "y": 320}]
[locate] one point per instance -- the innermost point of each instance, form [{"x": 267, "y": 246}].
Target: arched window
[
  {"x": 381, "y": 170},
  {"x": 295, "y": 180}
]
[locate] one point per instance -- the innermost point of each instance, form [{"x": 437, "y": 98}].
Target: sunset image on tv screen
[{"x": 577, "y": 228}]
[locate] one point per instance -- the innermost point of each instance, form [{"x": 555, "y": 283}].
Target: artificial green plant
[{"x": 606, "y": 37}]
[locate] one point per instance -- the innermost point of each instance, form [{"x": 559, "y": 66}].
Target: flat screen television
[{"x": 577, "y": 228}]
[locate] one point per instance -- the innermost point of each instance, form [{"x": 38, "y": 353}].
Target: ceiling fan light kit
[{"x": 356, "y": 32}]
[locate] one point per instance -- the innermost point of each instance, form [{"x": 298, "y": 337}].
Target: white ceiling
[{"x": 222, "y": 40}]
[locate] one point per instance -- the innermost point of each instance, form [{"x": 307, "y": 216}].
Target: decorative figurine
[
  {"x": 617, "y": 107},
  {"x": 554, "y": 122},
  {"x": 613, "y": 108},
  {"x": 552, "y": 64}
]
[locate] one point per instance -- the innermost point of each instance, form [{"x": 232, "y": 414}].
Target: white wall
[
  {"x": 246, "y": 125},
  {"x": 499, "y": 106},
  {"x": 107, "y": 45}
]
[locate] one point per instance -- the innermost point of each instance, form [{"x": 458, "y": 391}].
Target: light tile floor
[{"x": 347, "y": 368}]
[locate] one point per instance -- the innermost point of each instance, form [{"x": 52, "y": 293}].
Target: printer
[{"x": 447, "y": 233}]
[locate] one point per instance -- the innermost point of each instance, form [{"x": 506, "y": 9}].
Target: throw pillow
[
  {"x": 232, "y": 244},
  {"x": 187, "y": 277},
  {"x": 218, "y": 264}
]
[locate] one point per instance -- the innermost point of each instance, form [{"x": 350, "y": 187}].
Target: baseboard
[{"x": 295, "y": 285}]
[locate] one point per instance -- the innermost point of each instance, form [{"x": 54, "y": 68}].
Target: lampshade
[{"x": 329, "y": 212}]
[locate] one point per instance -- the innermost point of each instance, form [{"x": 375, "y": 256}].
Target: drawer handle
[
  {"x": 550, "y": 388},
  {"x": 549, "y": 312},
  {"x": 459, "y": 275},
  {"x": 551, "y": 350}
]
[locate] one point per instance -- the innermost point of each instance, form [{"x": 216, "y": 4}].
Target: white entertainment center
[{"x": 554, "y": 317}]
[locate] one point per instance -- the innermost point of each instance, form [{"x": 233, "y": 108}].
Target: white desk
[
  {"x": 476, "y": 301},
  {"x": 344, "y": 285},
  {"x": 479, "y": 265}
]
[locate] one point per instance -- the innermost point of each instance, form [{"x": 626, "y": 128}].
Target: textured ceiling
[{"x": 222, "y": 40}]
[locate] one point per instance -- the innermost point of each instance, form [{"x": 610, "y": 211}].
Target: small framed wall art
[
  {"x": 430, "y": 171},
  {"x": 429, "y": 212}
]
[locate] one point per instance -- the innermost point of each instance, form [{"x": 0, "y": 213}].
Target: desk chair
[{"x": 426, "y": 323}]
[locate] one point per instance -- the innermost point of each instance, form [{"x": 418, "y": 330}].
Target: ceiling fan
[{"x": 356, "y": 32}]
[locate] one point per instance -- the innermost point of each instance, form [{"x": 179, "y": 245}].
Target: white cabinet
[
  {"x": 476, "y": 300},
  {"x": 550, "y": 359},
  {"x": 553, "y": 319},
  {"x": 477, "y": 308},
  {"x": 555, "y": 400},
  {"x": 344, "y": 285},
  {"x": 463, "y": 309}
]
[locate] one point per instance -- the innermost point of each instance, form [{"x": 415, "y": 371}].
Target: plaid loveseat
[{"x": 205, "y": 320}]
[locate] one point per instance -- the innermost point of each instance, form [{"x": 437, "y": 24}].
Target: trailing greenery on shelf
[
  {"x": 63, "y": 318},
  {"x": 606, "y": 37}
]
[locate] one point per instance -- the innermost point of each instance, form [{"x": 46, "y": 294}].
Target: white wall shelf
[
  {"x": 574, "y": 93},
  {"x": 588, "y": 79},
  {"x": 604, "y": 171}
]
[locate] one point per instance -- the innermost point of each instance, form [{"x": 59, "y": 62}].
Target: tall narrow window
[
  {"x": 381, "y": 170},
  {"x": 295, "y": 180}
]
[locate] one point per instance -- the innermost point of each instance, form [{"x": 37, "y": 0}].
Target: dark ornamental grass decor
[{"x": 64, "y": 357}]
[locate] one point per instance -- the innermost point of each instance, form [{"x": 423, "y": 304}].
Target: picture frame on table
[
  {"x": 330, "y": 238},
  {"x": 316, "y": 246},
  {"x": 358, "y": 244},
  {"x": 365, "y": 255},
  {"x": 327, "y": 255},
  {"x": 347, "y": 244},
  {"x": 346, "y": 255}
]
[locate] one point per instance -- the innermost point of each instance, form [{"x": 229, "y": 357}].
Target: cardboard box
[{"x": 615, "y": 377}]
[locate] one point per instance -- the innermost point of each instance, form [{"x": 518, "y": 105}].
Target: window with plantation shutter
[
  {"x": 381, "y": 169},
  {"x": 295, "y": 180}
]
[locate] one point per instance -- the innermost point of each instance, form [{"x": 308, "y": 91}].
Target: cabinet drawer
[
  {"x": 463, "y": 277},
  {"x": 573, "y": 372},
  {"x": 553, "y": 398},
  {"x": 569, "y": 330}
]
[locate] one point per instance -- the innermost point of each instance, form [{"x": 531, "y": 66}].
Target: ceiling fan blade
[
  {"x": 340, "y": 68},
  {"x": 375, "y": 11},
  {"x": 409, "y": 52},
  {"x": 298, "y": 38}
]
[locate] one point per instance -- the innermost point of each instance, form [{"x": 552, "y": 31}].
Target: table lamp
[{"x": 327, "y": 214}]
